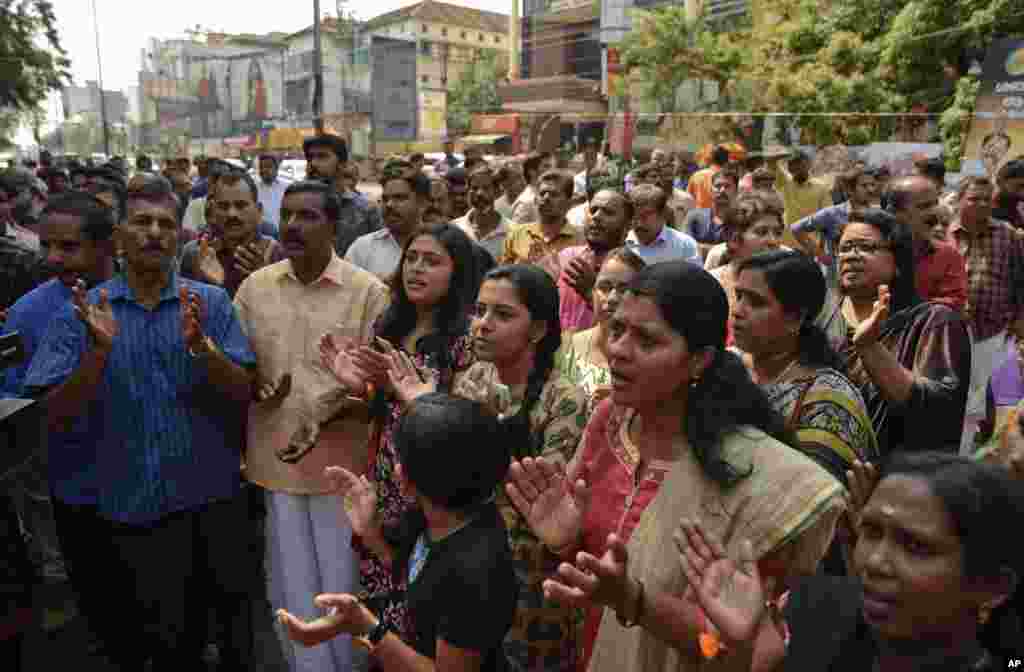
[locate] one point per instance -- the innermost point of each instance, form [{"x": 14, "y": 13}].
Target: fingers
[
  {"x": 522, "y": 480},
  {"x": 556, "y": 591},
  {"x": 617, "y": 549},
  {"x": 343, "y": 480},
  {"x": 313, "y": 633},
  {"x": 343, "y": 602},
  {"x": 521, "y": 502},
  {"x": 584, "y": 579},
  {"x": 747, "y": 561}
]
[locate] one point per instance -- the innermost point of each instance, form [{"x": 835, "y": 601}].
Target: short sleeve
[
  {"x": 224, "y": 327},
  {"x": 563, "y": 409},
  {"x": 59, "y": 353},
  {"x": 479, "y": 603},
  {"x": 188, "y": 260}
]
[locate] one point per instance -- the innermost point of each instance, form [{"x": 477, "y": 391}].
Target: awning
[{"x": 482, "y": 139}]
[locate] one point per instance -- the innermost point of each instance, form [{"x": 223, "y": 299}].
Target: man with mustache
[
  {"x": 1009, "y": 196},
  {"x": 326, "y": 158},
  {"x": 57, "y": 499},
  {"x": 707, "y": 225},
  {"x": 540, "y": 242},
  {"x": 405, "y": 195},
  {"x": 458, "y": 192},
  {"x": 609, "y": 215},
  {"x": 651, "y": 238},
  {"x": 233, "y": 248},
  {"x": 294, "y": 428},
  {"x": 149, "y": 360},
  {"x": 483, "y": 223}
]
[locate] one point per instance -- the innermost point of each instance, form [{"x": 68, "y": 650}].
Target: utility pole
[
  {"x": 318, "y": 73},
  {"x": 99, "y": 68}
]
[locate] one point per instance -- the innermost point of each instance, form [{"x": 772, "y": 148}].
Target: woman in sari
[
  {"x": 685, "y": 432},
  {"x": 932, "y": 577},
  {"x": 584, "y": 361},
  {"x": 432, "y": 296},
  {"x": 778, "y": 295},
  {"x": 910, "y": 359}
]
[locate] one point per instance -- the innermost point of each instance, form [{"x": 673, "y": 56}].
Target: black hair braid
[{"x": 530, "y": 444}]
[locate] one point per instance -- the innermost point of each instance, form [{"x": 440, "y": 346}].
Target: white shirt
[
  {"x": 493, "y": 242},
  {"x": 579, "y": 184},
  {"x": 577, "y": 215},
  {"x": 670, "y": 245},
  {"x": 195, "y": 215},
  {"x": 270, "y": 198},
  {"x": 377, "y": 252}
]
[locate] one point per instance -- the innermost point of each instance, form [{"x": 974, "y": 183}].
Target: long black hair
[
  {"x": 537, "y": 291},
  {"x": 725, "y": 398},
  {"x": 799, "y": 287},
  {"x": 452, "y": 317},
  {"x": 902, "y": 289}
]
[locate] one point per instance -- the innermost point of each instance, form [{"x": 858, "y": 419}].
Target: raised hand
[
  {"x": 336, "y": 356},
  {"x": 593, "y": 581},
  {"x": 99, "y": 319},
  {"x": 730, "y": 591},
  {"x": 862, "y": 479},
  {"x": 868, "y": 331},
  {"x": 274, "y": 390},
  {"x": 208, "y": 266},
  {"x": 405, "y": 378},
  {"x": 552, "y": 506},
  {"x": 359, "y": 495},
  {"x": 191, "y": 318},
  {"x": 346, "y": 614},
  {"x": 251, "y": 257}
]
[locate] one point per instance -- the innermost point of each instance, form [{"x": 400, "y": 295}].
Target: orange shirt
[{"x": 699, "y": 186}]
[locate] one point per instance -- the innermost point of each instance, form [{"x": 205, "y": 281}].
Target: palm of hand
[
  {"x": 362, "y": 508},
  {"x": 555, "y": 516},
  {"x": 733, "y": 599},
  {"x": 211, "y": 268},
  {"x": 101, "y": 323}
]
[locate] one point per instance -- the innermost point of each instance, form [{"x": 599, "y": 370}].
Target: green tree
[
  {"x": 475, "y": 92},
  {"x": 812, "y": 57},
  {"x": 32, "y": 61}
]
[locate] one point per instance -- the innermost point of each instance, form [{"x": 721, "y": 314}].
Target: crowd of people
[{"x": 517, "y": 417}]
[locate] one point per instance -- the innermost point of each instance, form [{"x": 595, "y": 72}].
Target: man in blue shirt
[
  {"x": 326, "y": 158},
  {"x": 59, "y": 496},
  {"x": 150, "y": 360}
]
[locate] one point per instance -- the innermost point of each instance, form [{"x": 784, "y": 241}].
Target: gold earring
[{"x": 984, "y": 614}]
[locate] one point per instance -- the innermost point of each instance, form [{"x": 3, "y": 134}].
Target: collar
[
  {"x": 535, "y": 230},
  {"x": 118, "y": 288},
  {"x": 334, "y": 272},
  {"x": 470, "y": 219},
  {"x": 660, "y": 239}
]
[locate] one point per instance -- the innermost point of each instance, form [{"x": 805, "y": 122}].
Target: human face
[
  {"x": 1013, "y": 186},
  {"x": 651, "y": 363},
  {"x": 236, "y": 213},
  {"x": 864, "y": 191},
  {"x": 322, "y": 164},
  {"x": 992, "y": 153},
  {"x": 924, "y": 199},
  {"x": 503, "y": 329},
  {"x": 307, "y": 234},
  {"x": 552, "y": 202},
  {"x": 548, "y": 163},
  {"x": 458, "y": 199},
  {"x": 427, "y": 271},
  {"x": 723, "y": 192},
  {"x": 760, "y": 323},
  {"x": 268, "y": 170},
  {"x": 482, "y": 193},
  {"x": 658, "y": 156},
  {"x": 910, "y": 561},
  {"x": 68, "y": 253},
  {"x": 976, "y": 205},
  {"x": 608, "y": 288},
  {"x": 350, "y": 178},
  {"x": 149, "y": 235},
  {"x": 439, "y": 198},
  {"x": 764, "y": 234},
  {"x": 606, "y": 229},
  {"x": 403, "y": 208},
  {"x": 513, "y": 185},
  {"x": 939, "y": 228},
  {"x": 648, "y": 222},
  {"x": 865, "y": 261},
  {"x": 800, "y": 170}
]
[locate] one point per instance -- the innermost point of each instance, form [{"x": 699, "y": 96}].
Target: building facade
[{"x": 85, "y": 100}]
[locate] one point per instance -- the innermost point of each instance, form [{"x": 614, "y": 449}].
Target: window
[
  {"x": 425, "y": 48},
  {"x": 424, "y": 29}
]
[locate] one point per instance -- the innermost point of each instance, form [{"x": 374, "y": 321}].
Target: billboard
[
  {"x": 395, "y": 103},
  {"x": 997, "y": 131}
]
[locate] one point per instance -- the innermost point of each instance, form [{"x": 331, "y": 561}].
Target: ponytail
[
  {"x": 815, "y": 349},
  {"x": 529, "y": 443}
]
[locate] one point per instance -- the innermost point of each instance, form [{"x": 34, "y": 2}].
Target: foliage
[
  {"x": 32, "y": 61},
  {"x": 812, "y": 57},
  {"x": 475, "y": 92}
]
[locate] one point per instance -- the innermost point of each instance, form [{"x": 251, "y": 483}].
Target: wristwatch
[
  {"x": 205, "y": 349},
  {"x": 374, "y": 637}
]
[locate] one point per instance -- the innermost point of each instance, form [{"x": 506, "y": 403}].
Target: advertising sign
[
  {"x": 997, "y": 131},
  {"x": 395, "y": 108}
]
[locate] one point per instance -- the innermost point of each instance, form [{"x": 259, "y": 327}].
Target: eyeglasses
[{"x": 862, "y": 248}]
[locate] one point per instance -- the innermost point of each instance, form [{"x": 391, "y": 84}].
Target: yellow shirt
[
  {"x": 800, "y": 200},
  {"x": 284, "y": 320},
  {"x": 527, "y": 244}
]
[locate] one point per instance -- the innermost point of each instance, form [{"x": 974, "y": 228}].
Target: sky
[{"x": 124, "y": 27}]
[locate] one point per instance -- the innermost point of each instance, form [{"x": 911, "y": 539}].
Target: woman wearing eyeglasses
[{"x": 911, "y": 359}]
